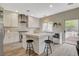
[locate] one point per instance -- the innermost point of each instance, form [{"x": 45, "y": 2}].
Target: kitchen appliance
[{"x": 1, "y": 33}]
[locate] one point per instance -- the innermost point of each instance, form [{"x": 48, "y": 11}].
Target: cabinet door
[
  {"x": 7, "y": 20},
  {"x": 14, "y": 20},
  {"x": 10, "y": 19}
]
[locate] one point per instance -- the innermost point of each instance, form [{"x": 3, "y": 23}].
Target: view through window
[
  {"x": 71, "y": 28},
  {"x": 47, "y": 27}
]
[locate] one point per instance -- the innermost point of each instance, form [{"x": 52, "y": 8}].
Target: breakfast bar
[{"x": 38, "y": 39}]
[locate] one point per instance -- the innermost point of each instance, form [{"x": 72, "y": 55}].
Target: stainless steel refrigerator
[{"x": 1, "y": 33}]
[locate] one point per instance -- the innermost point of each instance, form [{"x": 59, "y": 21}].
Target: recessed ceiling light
[
  {"x": 16, "y": 11},
  {"x": 50, "y": 6}
]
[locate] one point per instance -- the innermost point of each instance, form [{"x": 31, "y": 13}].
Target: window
[{"x": 47, "y": 27}]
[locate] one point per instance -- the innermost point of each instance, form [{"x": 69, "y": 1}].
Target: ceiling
[{"x": 39, "y": 9}]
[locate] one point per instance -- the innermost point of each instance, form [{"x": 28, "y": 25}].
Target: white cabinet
[
  {"x": 11, "y": 35},
  {"x": 14, "y": 19},
  {"x": 7, "y": 20},
  {"x": 10, "y": 19},
  {"x": 33, "y": 22},
  {"x": 28, "y": 21}
]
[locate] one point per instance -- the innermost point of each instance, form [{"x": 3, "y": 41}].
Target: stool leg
[
  {"x": 44, "y": 48},
  {"x": 50, "y": 48},
  {"x": 29, "y": 49},
  {"x": 53, "y": 46},
  {"x": 47, "y": 50},
  {"x": 32, "y": 47}
]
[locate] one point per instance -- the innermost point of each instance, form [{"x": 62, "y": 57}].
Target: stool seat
[
  {"x": 47, "y": 41},
  {"x": 29, "y": 41}
]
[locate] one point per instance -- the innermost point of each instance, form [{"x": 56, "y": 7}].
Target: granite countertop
[{"x": 39, "y": 34}]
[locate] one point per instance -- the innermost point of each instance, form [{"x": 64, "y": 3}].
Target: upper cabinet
[
  {"x": 28, "y": 21},
  {"x": 33, "y": 22},
  {"x": 13, "y": 19},
  {"x": 23, "y": 21},
  {"x": 10, "y": 19}
]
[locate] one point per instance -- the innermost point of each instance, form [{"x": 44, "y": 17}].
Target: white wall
[{"x": 56, "y": 28}]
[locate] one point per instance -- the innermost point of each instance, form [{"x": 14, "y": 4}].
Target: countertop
[{"x": 39, "y": 34}]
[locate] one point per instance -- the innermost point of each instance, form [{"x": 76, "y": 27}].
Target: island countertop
[
  {"x": 39, "y": 34},
  {"x": 39, "y": 39}
]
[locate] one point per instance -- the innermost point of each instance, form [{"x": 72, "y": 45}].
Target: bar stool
[
  {"x": 47, "y": 46},
  {"x": 29, "y": 46}
]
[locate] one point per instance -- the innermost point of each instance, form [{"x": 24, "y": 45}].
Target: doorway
[{"x": 71, "y": 31}]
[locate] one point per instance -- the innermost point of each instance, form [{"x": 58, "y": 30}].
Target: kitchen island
[{"x": 39, "y": 39}]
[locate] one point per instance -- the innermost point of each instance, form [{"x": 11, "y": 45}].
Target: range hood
[{"x": 22, "y": 21}]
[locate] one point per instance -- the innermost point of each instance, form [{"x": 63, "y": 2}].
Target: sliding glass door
[{"x": 71, "y": 31}]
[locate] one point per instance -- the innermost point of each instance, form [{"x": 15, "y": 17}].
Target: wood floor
[{"x": 16, "y": 49}]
